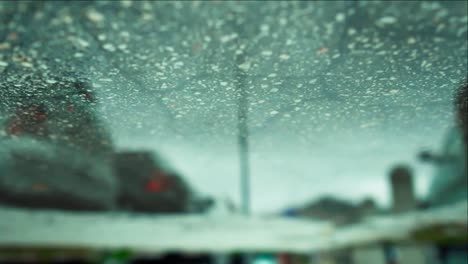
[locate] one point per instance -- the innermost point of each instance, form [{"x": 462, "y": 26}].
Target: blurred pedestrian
[
  {"x": 450, "y": 184},
  {"x": 451, "y": 181}
]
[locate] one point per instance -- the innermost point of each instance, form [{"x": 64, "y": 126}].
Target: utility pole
[
  {"x": 243, "y": 132},
  {"x": 240, "y": 70}
]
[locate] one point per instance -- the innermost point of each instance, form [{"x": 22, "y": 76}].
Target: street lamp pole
[{"x": 243, "y": 133}]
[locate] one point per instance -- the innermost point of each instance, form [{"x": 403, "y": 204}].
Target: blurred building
[
  {"x": 402, "y": 189},
  {"x": 338, "y": 211},
  {"x": 404, "y": 200}
]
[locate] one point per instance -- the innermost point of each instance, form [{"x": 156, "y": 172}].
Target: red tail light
[
  {"x": 14, "y": 127},
  {"x": 27, "y": 120},
  {"x": 155, "y": 185},
  {"x": 158, "y": 182}
]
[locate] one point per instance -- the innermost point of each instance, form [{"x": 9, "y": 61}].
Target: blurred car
[
  {"x": 149, "y": 185},
  {"x": 54, "y": 152}
]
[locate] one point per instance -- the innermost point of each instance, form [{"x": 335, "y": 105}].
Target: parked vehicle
[
  {"x": 54, "y": 152},
  {"x": 149, "y": 185}
]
